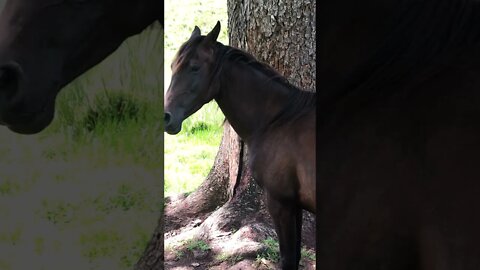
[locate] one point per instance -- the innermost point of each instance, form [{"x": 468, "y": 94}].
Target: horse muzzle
[
  {"x": 172, "y": 126},
  {"x": 26, "y": 123}
]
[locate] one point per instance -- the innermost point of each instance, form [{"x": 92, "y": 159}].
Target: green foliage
[
  {"x": 197, "y": 244},
  {"x": 271, "y": 252},
  {"x": 232, "y": 259},
  {"x": 199, "y": 127},
  {"x": 73, "y": 180},
  {"x": 308, "y": 254},
  {"x": 114, "y": 108}
]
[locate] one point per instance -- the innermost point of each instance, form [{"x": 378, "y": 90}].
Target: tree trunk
[
  {"x": 282, "y": 34},
  {"x": 152, "y": 258}
]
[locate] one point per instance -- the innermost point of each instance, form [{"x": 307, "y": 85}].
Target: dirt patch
[{"x": 222, "y": 239}]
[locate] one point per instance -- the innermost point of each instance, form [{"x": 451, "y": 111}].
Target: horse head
[
  {"x": 193, "y": 78},
  {"x": 45, "y": 44}
]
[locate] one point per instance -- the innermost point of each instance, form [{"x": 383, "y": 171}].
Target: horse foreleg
[{"x": 287, "y": 217}]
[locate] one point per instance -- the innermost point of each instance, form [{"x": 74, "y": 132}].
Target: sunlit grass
[
  {"x": 86, "y": 193},
  {"x": 189, "y": 155}
]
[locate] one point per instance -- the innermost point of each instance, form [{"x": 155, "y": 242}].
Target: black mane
[{"x": 299, "y": 101}]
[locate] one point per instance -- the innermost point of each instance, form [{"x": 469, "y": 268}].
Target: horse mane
[
  {"x": 299, "y": 101},
  {"x": 426, "y": 36}
]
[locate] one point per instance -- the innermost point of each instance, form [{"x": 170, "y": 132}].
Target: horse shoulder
[{"x": 283, "y": 157}]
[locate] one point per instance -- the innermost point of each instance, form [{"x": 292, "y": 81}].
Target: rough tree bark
[
  {"x": 282, "y": 34},
  {"x": 278, "y": 32}
]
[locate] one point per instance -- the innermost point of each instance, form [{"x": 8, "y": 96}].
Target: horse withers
[
  {"x": 45, "y": 44},
  {"x": 274, "y": 118}
]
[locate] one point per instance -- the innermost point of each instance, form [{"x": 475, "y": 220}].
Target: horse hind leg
[{"x": 287, "y": 217}]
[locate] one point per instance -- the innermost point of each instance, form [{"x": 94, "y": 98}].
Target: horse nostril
[
  {"x": 167, "y": 118},
  {"x": 10, "y": 75}
]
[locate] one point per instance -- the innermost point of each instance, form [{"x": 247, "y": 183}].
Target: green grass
[
  {"x": 189, "y": 155},
  {"x": 308, "y": 254},
  {"x": 197, "y": 244},
  {"x": 116, "y": 107},
  {"x": 232, "y": 259},
  {"x": 86, "y": 192},
  {"x": 271, "y": 252}
]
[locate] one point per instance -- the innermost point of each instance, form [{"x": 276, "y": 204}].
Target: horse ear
[
  {"x": 196, "y": 32},
  {"x": 213, "y": 35}
]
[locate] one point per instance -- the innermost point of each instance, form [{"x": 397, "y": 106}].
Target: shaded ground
[{"x": 247, "y": 242}]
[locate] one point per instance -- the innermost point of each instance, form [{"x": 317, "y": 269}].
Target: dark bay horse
[
  {"x": 275, "y": 119},
  {"x": 45, "y": 44},
  {"x": 399, "y": 135}
]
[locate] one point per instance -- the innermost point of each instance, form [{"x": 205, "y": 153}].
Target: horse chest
[{"x": 273, "y": 169}]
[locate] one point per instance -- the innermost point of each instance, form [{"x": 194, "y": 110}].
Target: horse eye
[{"x": 195, "y": 68}]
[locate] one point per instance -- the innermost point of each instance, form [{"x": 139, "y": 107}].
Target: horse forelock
[
  {"x": 185, "y": 52},
  {"x": 189, "y": 49}
]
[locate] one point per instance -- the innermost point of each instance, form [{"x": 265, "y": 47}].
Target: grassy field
[
  {"x": 86, "y": 193},
  {"x": 189, "y": 155}
]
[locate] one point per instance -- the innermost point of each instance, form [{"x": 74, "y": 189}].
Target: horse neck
[{"x": 248, "y": 98}]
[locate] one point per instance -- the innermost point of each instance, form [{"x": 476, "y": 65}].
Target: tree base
[{"x": 234, "y": 236}]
